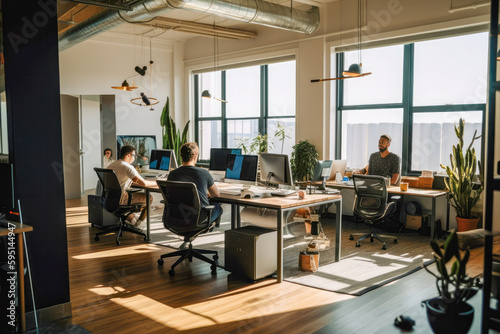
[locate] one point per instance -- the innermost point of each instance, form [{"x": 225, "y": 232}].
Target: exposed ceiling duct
[{"x": 249, "y": 11}]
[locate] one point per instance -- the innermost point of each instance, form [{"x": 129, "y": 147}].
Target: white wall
[
  {"x": 93, "y": 66},
  {"x": 91, "y": 143}
]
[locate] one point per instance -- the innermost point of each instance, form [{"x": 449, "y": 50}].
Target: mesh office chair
[
  {"x": 110, "y": 200},
  {"x": 371, "y": 204},
  {"x": 184, "y": 216}
]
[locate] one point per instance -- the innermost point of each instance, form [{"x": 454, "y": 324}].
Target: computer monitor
[
  {"x": 242, "y": 169},
  {"x": 162, "y": 160},
  {"x": 275, "y": 168},
  {"x": 322, "y": 170},
  {"x": 218, "y": 157},
  {"x": 338, "y": 166}
]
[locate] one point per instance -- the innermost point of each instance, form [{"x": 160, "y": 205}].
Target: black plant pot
[{"x": 457, "y": 321}]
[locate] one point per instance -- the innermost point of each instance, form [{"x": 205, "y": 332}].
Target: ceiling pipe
[{"x": 250, "y": 11}]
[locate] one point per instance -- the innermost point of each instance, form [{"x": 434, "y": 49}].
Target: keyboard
[{"x": 283, "y": 193}]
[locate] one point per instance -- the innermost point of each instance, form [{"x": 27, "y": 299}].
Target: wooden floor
[{"x": 121, "y": 289}]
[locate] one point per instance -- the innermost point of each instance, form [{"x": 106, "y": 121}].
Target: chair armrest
[
  {"x": 209, "y": 207},
  {"x": 130, "y": 191}
]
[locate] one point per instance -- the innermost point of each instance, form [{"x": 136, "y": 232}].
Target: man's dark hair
[
  {"x": 108, "y": 149},
  {"x": 126, "y": 149},
  {"x": 188, "y": 151}
]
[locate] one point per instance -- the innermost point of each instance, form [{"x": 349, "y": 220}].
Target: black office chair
[
  {"x": 110, "y": 200},
  {"x": 184, "y": 216},
  {"x": 371, "y": 204}
]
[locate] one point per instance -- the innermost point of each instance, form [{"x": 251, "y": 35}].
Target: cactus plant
[
  {"x": 172, "y": 137},
  {"x": 465, "y": 193}
]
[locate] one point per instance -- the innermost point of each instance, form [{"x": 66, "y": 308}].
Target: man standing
[
  {"x": 188, "y": 172},
  {"x": 126, "y": 174},
  {"x": 384, "y": 163}
]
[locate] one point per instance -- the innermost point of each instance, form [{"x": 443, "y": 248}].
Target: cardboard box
[
  {"x": 425, "y": 182},
  {"x": 412, "y": 181},
  {"x": 413, "y": 222}
]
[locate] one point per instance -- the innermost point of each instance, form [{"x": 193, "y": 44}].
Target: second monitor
[
  {"x": 275, "y": 168},
  {"x": 241, "y": 169},
  {"x": 162, "y": 160}
]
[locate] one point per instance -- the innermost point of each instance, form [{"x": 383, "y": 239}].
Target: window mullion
[
  {"x": 223, "y": 110},
  {"x": 407, "y": 108},
  {"x": 339, "y": 102},
  {"x": 263, "y": 99}
]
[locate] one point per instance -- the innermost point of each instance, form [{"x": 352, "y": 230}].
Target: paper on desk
[{"x": 426, "y": 173}]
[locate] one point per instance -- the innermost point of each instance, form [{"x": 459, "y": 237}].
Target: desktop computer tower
[
  {"x": 97, "y": 215},
  {"x": 251, "y": 251}
]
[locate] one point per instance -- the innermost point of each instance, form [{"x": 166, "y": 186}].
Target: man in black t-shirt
[
  {"x": 188, "y": 172},
  {"x": 384, "y": 163}
]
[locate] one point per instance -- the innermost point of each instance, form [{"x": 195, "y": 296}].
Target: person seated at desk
[
  {"x": 384, "y": 163},
  {"x": 107, "y": 159},
  {"x": 188, "y": 172},
  {"x": 126, "y": 174}
]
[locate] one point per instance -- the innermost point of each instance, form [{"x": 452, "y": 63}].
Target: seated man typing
[
  {"x": 199, "y": 176},
  {"x": 126, "y": 174}
]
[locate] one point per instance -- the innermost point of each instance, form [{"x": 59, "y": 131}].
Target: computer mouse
[{"x": 248, "y": 196}]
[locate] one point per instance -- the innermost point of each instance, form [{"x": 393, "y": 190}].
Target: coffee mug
[{"x": 403, "y": 186}]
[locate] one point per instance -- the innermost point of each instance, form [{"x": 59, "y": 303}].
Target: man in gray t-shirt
[{"x": 384, "y": 163}]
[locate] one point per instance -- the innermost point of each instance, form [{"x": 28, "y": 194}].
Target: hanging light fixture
[
  {"x": 125, "y": 86},
  {"x": 145, "y": 100},
  {"x": 206, "y": 93},
  {"x": 356, "y": 69}
]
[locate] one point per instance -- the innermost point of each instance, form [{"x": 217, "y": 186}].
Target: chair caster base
[
  {"x": 171, "y": 272},
  {"x": 351, "y": 237},
  {"x": 395, "y": 241},
  {"x": 97, "y": 239},
  {"x": 215, "y": 257},
  {"x": 118, "y": 242},
  {"x": 160, "y": 262},
  {"x": 384, "y": 247},
  {"x": 213, "y": 267},
  {"x": 358, "y": 244}
]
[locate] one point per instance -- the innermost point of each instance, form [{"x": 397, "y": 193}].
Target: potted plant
[
  {"x": 281, "y": 134},
  {"x": 303, "y": 161},
  {"x": 449, "y": 313},
  {"x": 172, "y": 137},
  {"x": 464, "y": 191},
  {"x": 258, "y": 145}
]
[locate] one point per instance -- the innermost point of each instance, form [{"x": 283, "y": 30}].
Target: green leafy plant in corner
[
  {"x": 304, "y": 160},
  {"x": 172, "y": 137},
  {"x": 453, "y": 284},
  {"x": 465, "y": 193}
]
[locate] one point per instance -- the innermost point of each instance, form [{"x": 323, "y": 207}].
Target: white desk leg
[
  {"x": 279, "y": 273},
  {"x": 338, "y": 228},
  {"x": 433, "y": 218}
]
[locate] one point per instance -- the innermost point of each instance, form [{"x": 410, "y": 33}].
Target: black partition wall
[{"x": 35, "y": 147}]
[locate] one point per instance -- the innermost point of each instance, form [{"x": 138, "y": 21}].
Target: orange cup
[
  {"x": 403, "y": 186},
  {"x": 301, "y": 194}
]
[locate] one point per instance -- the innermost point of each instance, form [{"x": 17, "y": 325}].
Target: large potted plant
[
  {"x": 172, "y": 137},
  {"x": 304, "y": 159},
  {"x": 450, "y": 313},
  {"x": 464, "y": 190}
]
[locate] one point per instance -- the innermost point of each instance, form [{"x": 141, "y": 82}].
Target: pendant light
[
  {"x": 355, "y": 70},
  {"x": 206, "y": 93},
  {"x": 146, "y": 100}
]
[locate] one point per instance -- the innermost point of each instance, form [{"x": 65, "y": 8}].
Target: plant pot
[
  {"x": 456, "y": 321},
  {"x": 467, "y": 224}
]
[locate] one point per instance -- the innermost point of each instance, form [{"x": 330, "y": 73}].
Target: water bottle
[{"x": 338, "y": 177}]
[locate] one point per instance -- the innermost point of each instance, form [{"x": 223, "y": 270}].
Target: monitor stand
[{"x": 322, "y": 186}]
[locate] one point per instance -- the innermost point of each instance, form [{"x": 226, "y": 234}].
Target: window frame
[{"x": 406, "y": 104}]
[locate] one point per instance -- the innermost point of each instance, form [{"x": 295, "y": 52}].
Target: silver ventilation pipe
[{"x": 250, "y": 11}]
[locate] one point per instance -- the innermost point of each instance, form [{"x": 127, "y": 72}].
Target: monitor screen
[
  {"x": 279, "y": 167},
  {"x": 242, "y": 169},
  {"x": 322, "y": 170},
  {"x": 218, "y": 157},
  {"x": 338, "y": 166},
  {"x": 162, "y": 160}
]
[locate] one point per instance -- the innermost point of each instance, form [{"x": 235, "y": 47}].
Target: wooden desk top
[
  {"x": 279, "y": 202},
  {"x": 397, "y": 190},
  {"x": 18, "y": 228}
]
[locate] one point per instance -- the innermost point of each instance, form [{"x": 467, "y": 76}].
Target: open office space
[{"x": 429, "y": 65}]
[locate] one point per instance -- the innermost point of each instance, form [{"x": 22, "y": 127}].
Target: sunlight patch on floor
[{"x": 121, "y": 251}]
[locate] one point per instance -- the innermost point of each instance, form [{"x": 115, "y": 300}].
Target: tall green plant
[
  {"x": 281, "y": 133},
  {"x": 260, "y": 144},
  {"x": 172, "y": 137},
  {"x": 465, "y": 193},
  {"x": 303, "y": 161}
]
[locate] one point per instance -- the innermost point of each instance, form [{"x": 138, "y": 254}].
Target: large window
[
  {"x": 416, "y": 94},
  {"x": 261, "y": 99}
]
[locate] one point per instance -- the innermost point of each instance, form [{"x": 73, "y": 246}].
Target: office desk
[
  {"x": 18, "y": 230},
  {"x": 283, "y": 205},
  {"x": 148, "y": 190},
  {"x": 396, "y": 190}
]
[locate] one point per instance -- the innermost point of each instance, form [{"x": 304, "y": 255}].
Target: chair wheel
[
  {"x": 160, "y": 262},
  {"x": 97, "y": 239},
  {"x": 214, "y": 269},
  {"x": 145, "y": 239},
  {"x": 92, "y": 225},
  {"x": 358, "y": 244},
  {"x": 395, "y": 241},
  {"x": 118, "y": 242},
  {"x": 215, "y": 257},
  {"x": 351, "y": 237},
  {"x": 384, "y": 247},
  {"x": 171, "y": 272}
]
